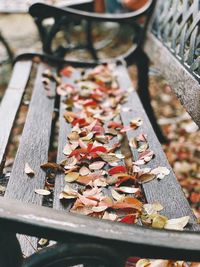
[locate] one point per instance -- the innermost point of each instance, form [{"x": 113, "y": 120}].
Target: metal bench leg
[
  {"x": 73, "y": 254},
  {"x": 142, "y": 63},
  {"x": 10, "y": 251}
]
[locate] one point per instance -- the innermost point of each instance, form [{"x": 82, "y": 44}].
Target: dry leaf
[
  {"x": 160, "y": 172},
  {"x": 99, "y": 208},
  {"x": 67, "y": 150},
  {"x": 43, "y": 242},
  {"x": 97, "y": 165},
  {"x": 159, "y": 221},
  {"x": 136, "y": 123},
  {"x": 133, "y": 142},
  {"x": 71, "y": 177},
  {"x": 51, "y": 165},
  {"x": 109, "y": 216},
  {"x": 177, "y": 224},
  {"x": 146, "y": 177},
  {"x": 84, "y": 171},
  {"x": 28, "y": 170},
  {"x": 117, "y": 196},
  {"x": 2, "y": 189},
  {"x": 42, "y": 192},
  {"x": 126, "y": 189}
]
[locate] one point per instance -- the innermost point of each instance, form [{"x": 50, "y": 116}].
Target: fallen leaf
[
  {"x": 117, "y": 169},
  {"x": 97, "y": 165},
  {"x": 129, "y": 219},
  {"x": 84, "y": 171},
  {"x": 133, "y": 142},
  {"x": 43, "y": 242},
  {"x": 136, "y": 123},
  {"x": 71, "y": 177},
  {"x": 159, "y": 221},
  {"x": 117, "y": 196},
  {"x": 86, "y": 201},
  {"x": 67, "y": 150},
  {"x": 52, "y": 165},
  {"x": 126, "y": 189},
  {"x": 28, "y": 170},
  {"x": 177, "y": 224},
  {"x": 2, "y": 189},
  {"x": 146, "y": 177},
  {"x": 160, "y": 172},
  {"x": 99, "y": 208},
  {"x": 109, "y": 216},
  {"x": 42, "y": 192}
]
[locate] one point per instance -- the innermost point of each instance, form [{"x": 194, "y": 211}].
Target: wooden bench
[{"x": 84, "y": 239}]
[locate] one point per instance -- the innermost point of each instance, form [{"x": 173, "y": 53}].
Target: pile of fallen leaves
[{"x": 109, "y": 189}]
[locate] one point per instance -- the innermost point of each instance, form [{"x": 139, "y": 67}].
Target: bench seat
[{"x": 34, "y": 148}]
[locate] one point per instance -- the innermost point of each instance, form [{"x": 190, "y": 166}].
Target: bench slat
[
  {"x": 33, "y": 149},
  {"x": 64, "y": 130},
  {"x": 11, "y": 102},
  {"x": 168, "y": 192}
]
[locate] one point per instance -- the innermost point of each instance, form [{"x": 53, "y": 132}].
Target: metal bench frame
[{"x": 87, "y": 236}]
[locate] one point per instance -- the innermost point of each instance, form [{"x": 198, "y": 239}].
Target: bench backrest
[{"x": 174, "y": 45}]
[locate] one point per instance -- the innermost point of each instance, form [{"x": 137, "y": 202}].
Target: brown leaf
[
  {"x": 51, "y": 165},
  {"x": 146, "y": 177}
]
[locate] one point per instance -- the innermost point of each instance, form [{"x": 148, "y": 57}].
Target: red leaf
[
  {"x": 115, "y": 125},
  {"x": 67, "y": 71},
  {"x": 117, "y": 169},
  {"x": 130, "y": 219},
  {"x": 81, "y": 121},
  {"x": 98, "y": 149},
  {"x": 90, "y": 104}
]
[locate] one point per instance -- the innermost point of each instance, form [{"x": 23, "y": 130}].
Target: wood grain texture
[
  {"x": 33, "y": 149},
  {"x": 185, "y": 86},
  {"x": 168, "y": 191},
  {"x": 11, "y": 102}
]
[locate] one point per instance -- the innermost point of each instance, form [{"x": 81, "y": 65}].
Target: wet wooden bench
[{"x": 85, "y": 239}]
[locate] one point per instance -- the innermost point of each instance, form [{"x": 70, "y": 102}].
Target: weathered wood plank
[
  {"x": 11, "y": 102},
  {"x": 168, "y": 191},
  {"x": 64, "y": 130},
  {"x": 33, "y": 149},
  {"x": 186, "y": 87}
]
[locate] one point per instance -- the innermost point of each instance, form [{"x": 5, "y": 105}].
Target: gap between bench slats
[
  {"x": 168, "y": 191},
  {"x": 33, "y": 149},
  {"x": 11, "y": 101}
]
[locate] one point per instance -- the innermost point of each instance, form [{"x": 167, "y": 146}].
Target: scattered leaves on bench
[{"x": 92, "y": 153}]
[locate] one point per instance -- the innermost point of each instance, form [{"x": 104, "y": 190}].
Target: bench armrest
[{"x": 45, "y": 11}]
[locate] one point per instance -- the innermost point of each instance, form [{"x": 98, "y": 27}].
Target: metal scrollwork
[{"x": 177, "y": 25}]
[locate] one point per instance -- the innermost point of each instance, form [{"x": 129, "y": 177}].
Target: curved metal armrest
[
  {"x": 30, "y": 219},
  {"x": 45, "y": 11}
]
